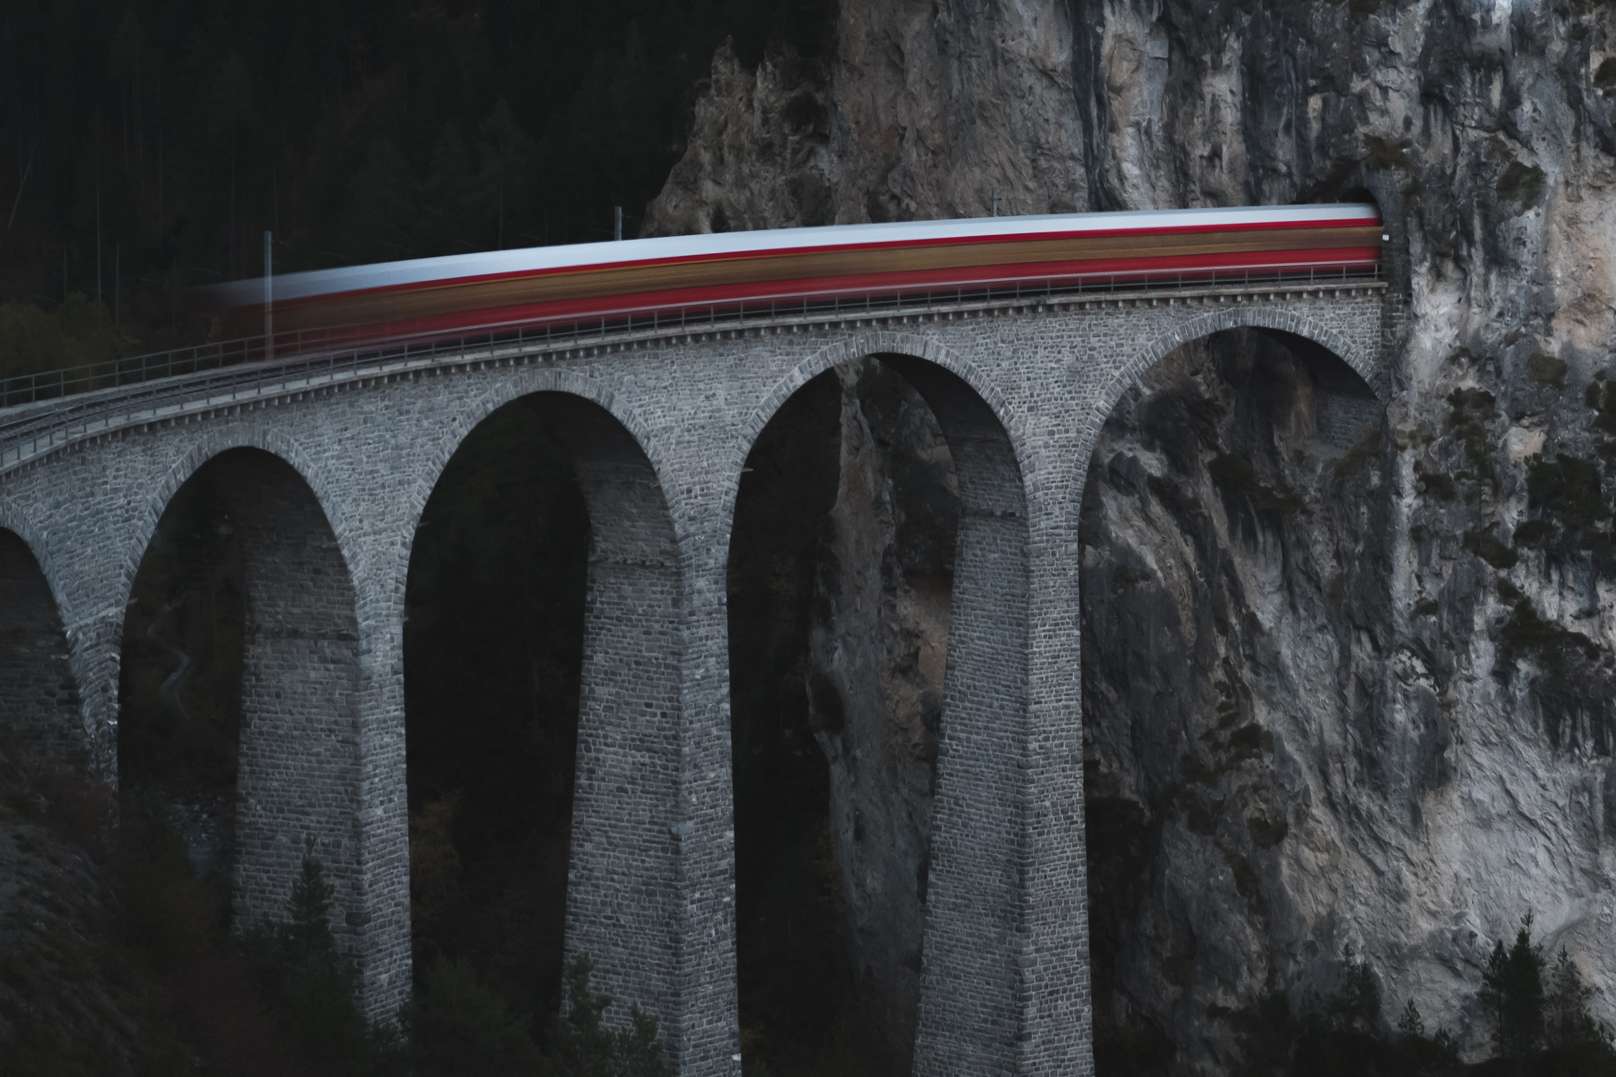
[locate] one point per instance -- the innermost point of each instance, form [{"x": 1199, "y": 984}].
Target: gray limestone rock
[{"x": 1336, "y": 694}]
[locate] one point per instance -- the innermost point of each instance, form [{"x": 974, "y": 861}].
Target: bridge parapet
[{"x": 168, "y": 386}]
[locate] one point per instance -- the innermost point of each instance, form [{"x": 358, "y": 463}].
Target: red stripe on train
[
  {"x": 896, "y": 244},
  {"x": 1140, "y": 270}
]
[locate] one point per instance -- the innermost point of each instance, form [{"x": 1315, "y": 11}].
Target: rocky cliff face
[
  {"x": 1332, "y": 698},
  {"x": 877, "y": 653}
]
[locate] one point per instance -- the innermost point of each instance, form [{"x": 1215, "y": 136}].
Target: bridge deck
[{"x": 31, "y": 430}]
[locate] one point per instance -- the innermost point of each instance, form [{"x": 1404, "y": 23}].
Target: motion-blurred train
[{"x": 702, "y": 274}]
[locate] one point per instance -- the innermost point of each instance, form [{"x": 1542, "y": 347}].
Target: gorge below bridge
[{"x": 329, "y": 462}]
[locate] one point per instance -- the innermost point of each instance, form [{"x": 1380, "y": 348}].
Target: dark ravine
[
  {"x": 1394, "y": 731},
  {"x": 840, "y": 571},
  {"x": 877, "y": 657},
  {"x": 1233, "y": 562}
]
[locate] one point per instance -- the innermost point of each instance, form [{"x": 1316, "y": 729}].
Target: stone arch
[
  {"x": 297, "y": 778},
  {"x": 1364, "y": 364},
  {"x": 622, "y": 873},
  {"x": 845, "y": 350},
  {"x": 194, "y": 454},
  {"x": 13, "y": 519},
  {"x": 970, "y": 974},
  {"x": 1356, "y": 358},
  {"x": 40, "y": 700},
  {"x": 517, "y": 384}
]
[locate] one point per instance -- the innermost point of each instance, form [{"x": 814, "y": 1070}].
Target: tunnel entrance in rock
[
  {"x": 39, "y": 698},
  {"x": 1228, "y": 536},
  {"x": 237, "y": 738},
  {"x": 493, "y": 648},
  {"x": 840, "y": 572}
]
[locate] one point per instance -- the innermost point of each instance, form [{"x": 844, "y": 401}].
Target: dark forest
[{"x": 146, "y": 146}]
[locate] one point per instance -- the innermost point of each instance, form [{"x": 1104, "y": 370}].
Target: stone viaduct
[{"x": 330, "y": 472}]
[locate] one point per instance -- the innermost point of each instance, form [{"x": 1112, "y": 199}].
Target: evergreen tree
[
  {"x": 1492, "y": 995},
  {"x": 1512, "y": 994},
  {"x": 582, "y": 1042},
  {"x": 316, "y": 988},
  {"x": 1419, "y": 1055},
  {"x": 583, "y": 1045},
  {"x": 450, "y": 188},
  {"x": 382, "y": 220},
  {"x": 1355, "y": 1006},
  {"x": 1567, "y": 1020},
  {"x": 308, "y": 931},
  {"x": 1578, "y": 1044},
  {"x": 510, "y": 161},
  {"x": 1411, "y": 1025},
  {"x": 461, "y": 1025},
  {"x": 635, "y": 1050}
]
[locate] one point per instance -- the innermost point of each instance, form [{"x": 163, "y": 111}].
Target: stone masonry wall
[
  {"x": 622, "y": 872},
  {"x": 39, "y": 702},
  {"x": 972, "y": 876},
  {"x": 297, "y": 781},
  {"x": 1040, "y": 379}
]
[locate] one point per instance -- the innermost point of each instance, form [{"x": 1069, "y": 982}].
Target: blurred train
[{"x": 702, "y": 274}]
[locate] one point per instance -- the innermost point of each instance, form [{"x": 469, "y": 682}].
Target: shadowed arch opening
[
  {"x": 238, "y": 726},
  {"x": 877, "y": 606},
  {"x": 542, "y": 698},
  {"x": 39, "y": 697},
  {"x": 1232, "y": 588}
]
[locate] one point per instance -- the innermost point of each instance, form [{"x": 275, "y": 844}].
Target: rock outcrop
[
  {"x": 1333, "y": 698},
  {"x": 877, "y": 653}
]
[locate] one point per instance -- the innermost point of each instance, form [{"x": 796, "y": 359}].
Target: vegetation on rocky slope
[{"x": 117, "y": 959}]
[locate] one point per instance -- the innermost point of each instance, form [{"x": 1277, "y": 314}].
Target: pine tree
[
  {"x": 1494, "y": 982},
  {"x": 1411, "y": 1024},
  {"x": 1355, "y": 1006},
  {"x": 449, "y": 194},
  {"x": 635, "y": 1050},
  {"x": 382, "y": 218},
  {"x": 1582, "y": 1043},
  {"x": 1512, "y": 994},
  {"x": 461, "y": 1025},
  {"x": 510, "y": 160},
  {"x": 583, "y": 1045},
  {"x": 308, "y": 933}
]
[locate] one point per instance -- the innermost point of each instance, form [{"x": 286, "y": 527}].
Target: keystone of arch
[
  {"x": 859, "y": 346},
  {"x": 459, "y": 425}
]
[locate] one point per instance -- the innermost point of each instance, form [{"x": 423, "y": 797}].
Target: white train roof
[{"x": 579, "y": 255}]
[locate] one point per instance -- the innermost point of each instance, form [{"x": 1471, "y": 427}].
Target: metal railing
[{"x": 79, "y": 400}]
